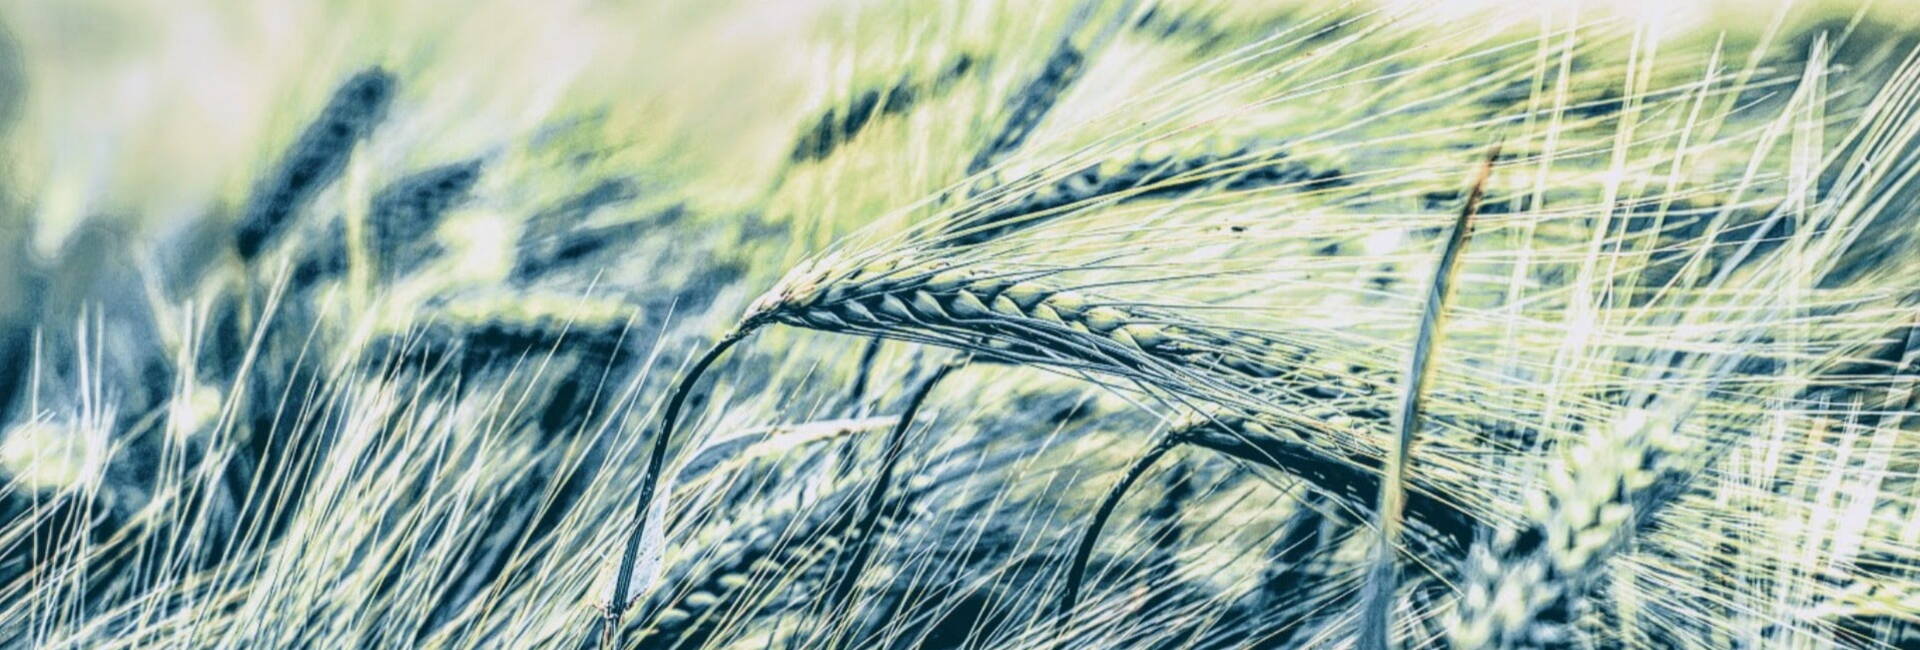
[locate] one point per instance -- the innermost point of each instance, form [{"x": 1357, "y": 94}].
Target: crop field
[{"x": 959, "y": 324}]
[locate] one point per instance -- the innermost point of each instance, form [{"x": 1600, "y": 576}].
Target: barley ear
[{"x": 316, "y": 159}]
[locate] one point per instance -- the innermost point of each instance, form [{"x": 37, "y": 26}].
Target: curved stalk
[
  {"x": 623, "y": 580},
  {"x": 876, "y": 500},
  {"x": 1377, "y": 594},
  {"x": 1076, "y": 572}
]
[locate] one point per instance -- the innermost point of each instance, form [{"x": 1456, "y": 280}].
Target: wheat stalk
[
  {"x": 1376, "y": 620},
  {"x": 1083, "y": 551},
  {"x": 876, "y": 503},
  {"x": 1442, "y": 527},
  {"x": 629, "y": 580}
]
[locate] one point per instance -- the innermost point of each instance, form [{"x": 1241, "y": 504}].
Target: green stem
[
  {"x": 1076, "y": 571},
  {"x": 655, "y": 464},
  {"x": 1377, "y": 594},
  {"x": 876, "y": 500}
]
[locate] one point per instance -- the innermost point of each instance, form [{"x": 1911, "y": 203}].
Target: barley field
[{"x": 959, "y": 324}]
